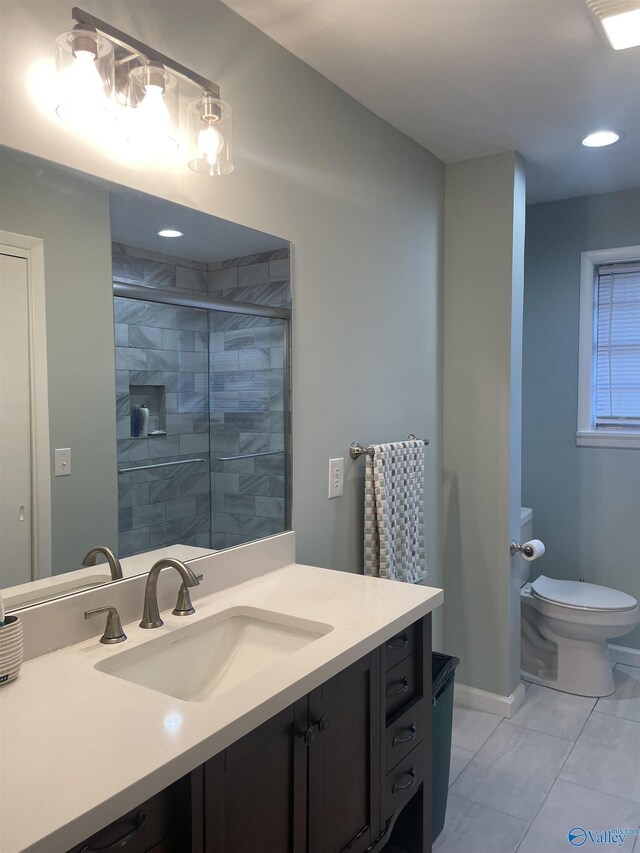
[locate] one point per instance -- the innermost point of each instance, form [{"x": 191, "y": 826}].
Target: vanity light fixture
[
  {"x": 152, "y": 108},
  {"x": 211, "y": 136},
  {"x": 170, "y": 232},
  {"x": 620, "y": 20},
  {"x": 85, "y": 64},
  {"x": 103, "y": 71},
  {"x": 600, "y": 138}
]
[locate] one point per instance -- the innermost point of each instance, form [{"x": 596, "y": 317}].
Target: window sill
[{"x": 608, "y": 438}]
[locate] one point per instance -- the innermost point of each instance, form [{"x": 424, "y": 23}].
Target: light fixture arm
[{"x": 129, "y": 43}]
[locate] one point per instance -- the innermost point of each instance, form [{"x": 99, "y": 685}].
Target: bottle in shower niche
[
  {"x": 135, "y": 421},
  {"x": 144, "y": 420}
]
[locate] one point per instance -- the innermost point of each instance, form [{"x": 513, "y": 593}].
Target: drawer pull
[
  {"x": 398, "y": 642},
  {"x": 401, "y": 687},
  {"x": 411, "y": 736},
  {"x": 310, "y": 735},
  {"x": 412, "y": 778},
  {"x": 136, "y": 824}
]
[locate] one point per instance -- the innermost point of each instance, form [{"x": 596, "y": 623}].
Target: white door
[{"x": 15, "y": 424}]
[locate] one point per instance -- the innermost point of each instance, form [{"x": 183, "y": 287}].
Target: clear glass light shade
[
  {"x": 210, "y": 136},
  {"x": 153, "y": 109},
  {"x": 85, "y": 67}
]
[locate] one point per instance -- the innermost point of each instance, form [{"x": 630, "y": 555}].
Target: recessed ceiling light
[
  {"x": 600, "y": 138},
  {"x": 170, "y": 232},
  {"x": 620, "y": 21}
]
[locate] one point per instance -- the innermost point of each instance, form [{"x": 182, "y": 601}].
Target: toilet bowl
[{"x": 565, "y": 628}]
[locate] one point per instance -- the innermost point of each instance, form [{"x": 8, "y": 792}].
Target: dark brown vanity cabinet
[
  {"x": 346, "y": 769},
  {"x": 407, "y": 759},
  {"x": 344, "y": 760},
  {"x": 306, "y": 780},
  {"x": 255, "y": 791}
]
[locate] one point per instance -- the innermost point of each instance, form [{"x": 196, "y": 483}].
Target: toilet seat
[{"x": 581, "y": 596}]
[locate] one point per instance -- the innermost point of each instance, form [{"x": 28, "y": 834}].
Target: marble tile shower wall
[
  {"x": 263, "y": 279},
  {"x": 223, "y": 375},
  {"x": 153, "y": 269}
]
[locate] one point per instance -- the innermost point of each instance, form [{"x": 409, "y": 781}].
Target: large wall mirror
[{"x": 144, "y": 381}]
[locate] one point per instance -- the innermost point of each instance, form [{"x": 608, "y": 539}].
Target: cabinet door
[
  {"x": 255, "y": 792},
  {"x": 344, "y": 760}
]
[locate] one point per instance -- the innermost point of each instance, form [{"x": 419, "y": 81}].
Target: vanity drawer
[
  {"x": 141, "y": 829},
  {"x": 401, "y": 685},
  {"x": 405, "y": 733},
  {"x": 401, "y": 646},
  {"x": 404, "y": 780}
]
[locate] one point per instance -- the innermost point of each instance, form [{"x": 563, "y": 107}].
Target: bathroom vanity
[
  {"x": 331, "y": 772},
  {"x": 324, "y": 749}
]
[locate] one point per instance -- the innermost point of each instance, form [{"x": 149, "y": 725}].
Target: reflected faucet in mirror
[
  {"x": 114, "y": 563},
  {"x": 151, "y": 613}
]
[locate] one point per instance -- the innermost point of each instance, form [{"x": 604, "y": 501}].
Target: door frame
[{"x": 31, "y": 249}]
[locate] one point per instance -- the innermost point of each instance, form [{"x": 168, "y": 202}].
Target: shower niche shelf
[{"x": 156, "y": 399}]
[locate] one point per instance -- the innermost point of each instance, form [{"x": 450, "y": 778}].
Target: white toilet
[{"x": 566, "y": 626}]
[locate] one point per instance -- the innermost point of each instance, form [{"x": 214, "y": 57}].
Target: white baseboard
[
  {"x": 624, "y": 654},
  {"x": 492, "y": 703}
]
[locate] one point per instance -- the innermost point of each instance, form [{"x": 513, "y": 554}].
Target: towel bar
[{"x": 356, "y": 450}]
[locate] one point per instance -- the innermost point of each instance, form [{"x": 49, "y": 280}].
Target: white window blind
[{"x": 617, "y": 347}]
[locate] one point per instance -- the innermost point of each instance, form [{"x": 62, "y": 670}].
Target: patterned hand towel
[{"x": 394, "y": 512}]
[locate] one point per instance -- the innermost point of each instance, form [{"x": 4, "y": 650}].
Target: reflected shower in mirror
[{"x": 145, "y": 382}]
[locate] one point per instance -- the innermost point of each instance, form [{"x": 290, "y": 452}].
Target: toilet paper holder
[{"x": 514, "y": 548}]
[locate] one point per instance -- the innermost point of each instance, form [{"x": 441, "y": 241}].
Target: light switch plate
[
  {"x": 336, "y": 478},
  {"x": 62, "y": 462}
]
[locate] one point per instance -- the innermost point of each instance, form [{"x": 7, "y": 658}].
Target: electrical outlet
[{"x": 336, "y": 478}]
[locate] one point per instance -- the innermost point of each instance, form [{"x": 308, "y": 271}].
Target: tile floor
[{"x": 560, "y": 762}]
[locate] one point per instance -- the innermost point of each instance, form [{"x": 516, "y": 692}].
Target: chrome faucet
[
  {"x": 114, "y": 562},
  {"x": 151, "y": 613}
]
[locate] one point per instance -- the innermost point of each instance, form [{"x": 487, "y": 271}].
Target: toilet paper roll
[{"x": 537, "y": 548}]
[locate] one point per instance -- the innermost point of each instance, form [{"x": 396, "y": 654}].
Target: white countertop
[{"x": 79, "y": 747}]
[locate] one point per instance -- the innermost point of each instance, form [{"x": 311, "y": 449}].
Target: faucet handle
[
  {"x": 184, "y": 607},
  {"x": 113, "y": 632}
]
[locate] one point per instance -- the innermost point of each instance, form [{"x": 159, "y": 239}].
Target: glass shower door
[
  {"x": 162, "y": 367},
  {"x": 249, "y": 397},
  {"x": 211, "y": 467}
]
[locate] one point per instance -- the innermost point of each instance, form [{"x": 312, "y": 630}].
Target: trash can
[{"x": 443, "y": 672}]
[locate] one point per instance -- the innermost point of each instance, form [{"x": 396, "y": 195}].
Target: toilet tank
[{"x": 526, "y": 533}]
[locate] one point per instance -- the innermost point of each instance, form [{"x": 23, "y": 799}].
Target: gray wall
[
  {"x": 585, "y": 499},
  {"x": 484, "y": 246},
  {"x": 361, "y": 203},
  {"x": 72, "y": 217}
]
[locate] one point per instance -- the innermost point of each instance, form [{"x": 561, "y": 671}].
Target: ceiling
[
  {"x": 469, "y": 78},
  {"x": 136, "y": 219}
]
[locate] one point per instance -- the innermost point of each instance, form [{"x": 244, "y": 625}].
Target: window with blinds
[{"x": 616, "y": 379}]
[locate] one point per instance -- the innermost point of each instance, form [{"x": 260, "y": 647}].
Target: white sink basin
[{"x": 215, "y": 654}]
